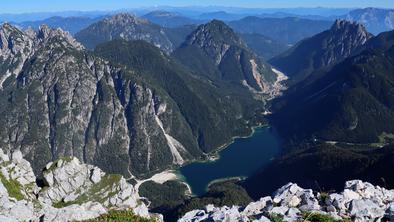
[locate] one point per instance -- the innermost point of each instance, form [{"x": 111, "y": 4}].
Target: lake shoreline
[
  {"x": 215, "y": 155},
  {"x": 237, "y": 159},
  {"x": 175, "y": 174}
]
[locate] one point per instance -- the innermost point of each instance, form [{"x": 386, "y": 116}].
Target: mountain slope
[
  {"x": 336, "y": 126},
  {"x": 179, "y": 34},
  {"x": 352, "y": 102},
  {"x": 58, "y": 100},
  {"x": 139, "y": 114},
  {"x": 285, "y": 30},
  {"x": 219, "y": 54},
  {"x": 169, "y": 19},
  {"x": 322, "y": 50},
  {"x": 70, "y": 24},
  {"x": 205, "y": 107},
  {"x": 374, "y": 19},
  {"x": 124, "y": 26},
  {"x": 324, "y": 167},
  {"x": 263, "y": 46},
  {"x": 90, "y": 192}
]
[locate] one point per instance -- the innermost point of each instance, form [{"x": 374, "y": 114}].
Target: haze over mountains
[{"x": 139, "y": 95}]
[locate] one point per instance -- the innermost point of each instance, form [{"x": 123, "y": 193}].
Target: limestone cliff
[{"x": 71, "y": 191}]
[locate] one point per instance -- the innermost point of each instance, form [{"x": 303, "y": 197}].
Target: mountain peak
[
  {"x": 341, "y": 24},
  {"x": 322, "y": 50},
  {"x": 46, "y": 33},
  {"x": 217, "y": 22},
  {"x": 214, "y": 32},
  {"x": 351, "y": 31},
  {"x": 7, "y": 29},
  {"x": 124, "y": 26}
]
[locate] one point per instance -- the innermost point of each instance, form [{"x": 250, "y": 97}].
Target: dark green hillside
[
  {"x": 213, "y": 113},
  {"x": 353, "y": 102},
  {"x": 263, "y": 46},
  {"x": 325, "y": 167},
  {"x": 178, "y": 35},
  {"x": 215, "y": 51},
  {"x": 322, "y": 50},
  {"x": 337, "y": 125}
]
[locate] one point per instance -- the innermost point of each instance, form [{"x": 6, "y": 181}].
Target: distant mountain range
[
  {"x": 272, "y": 23},
  {"x": 375, "y": 20},
  {"x": 284, "y": 30},
  {"x": 71, "y": 24},
  {"x": 170, "y": 19},
  {"x": 221, "y": 15}
]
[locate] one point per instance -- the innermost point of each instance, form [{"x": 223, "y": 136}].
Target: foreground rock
[
  {"x": 73, "y": 191},
  {"x": 360, "y": 201}
]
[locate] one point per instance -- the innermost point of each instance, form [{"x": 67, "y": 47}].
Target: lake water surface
[{"x": 240, "y": 159}]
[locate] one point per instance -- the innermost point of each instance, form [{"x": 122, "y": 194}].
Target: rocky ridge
[
  {"x": 230, "y": 57},
  {"x": 359, "y": 201},
  {"x": 327, "y": 48},
  {"x": 17, "y": 46},
  {"x": 72, "y": 191},
  {"x": 124, "y": 26},
  {"x": 58, "y": 100}
]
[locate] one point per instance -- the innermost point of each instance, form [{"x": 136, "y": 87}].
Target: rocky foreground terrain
[
  {"x": 359, "y": 201},
  {"x": 71, "y": 191}
]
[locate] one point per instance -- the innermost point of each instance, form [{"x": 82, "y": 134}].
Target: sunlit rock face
[
  {"x": 72, "y": 191},
  {"x": 59, "y": 100},
  {"x": 359, "y": 201}
]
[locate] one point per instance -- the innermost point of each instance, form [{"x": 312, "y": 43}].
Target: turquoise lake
[{"x": 240, "y": 159}]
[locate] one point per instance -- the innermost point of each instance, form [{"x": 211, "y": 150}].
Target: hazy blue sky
[{"x": 17, "y": 6}]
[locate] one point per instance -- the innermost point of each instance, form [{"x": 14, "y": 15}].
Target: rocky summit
[
  {"x": 227, "y": 57},
  {"x": 359, "y": 201},
  {"x": 70, "y": 191},
  {"x": 124, "y": 26}
]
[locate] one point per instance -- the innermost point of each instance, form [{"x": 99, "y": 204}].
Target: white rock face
[
  {"x": 74, "y": 191},
  {"x": 360, "y": 201},
  {"x": 73, "y": 212}
]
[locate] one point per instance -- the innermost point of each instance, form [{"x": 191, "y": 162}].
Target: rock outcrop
[
  {"x": 360, "y": 201},
  {"x": 125, "y": 26},
  {"x": 58, "y": 100},
  {"x": 72, "y": 191}
]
